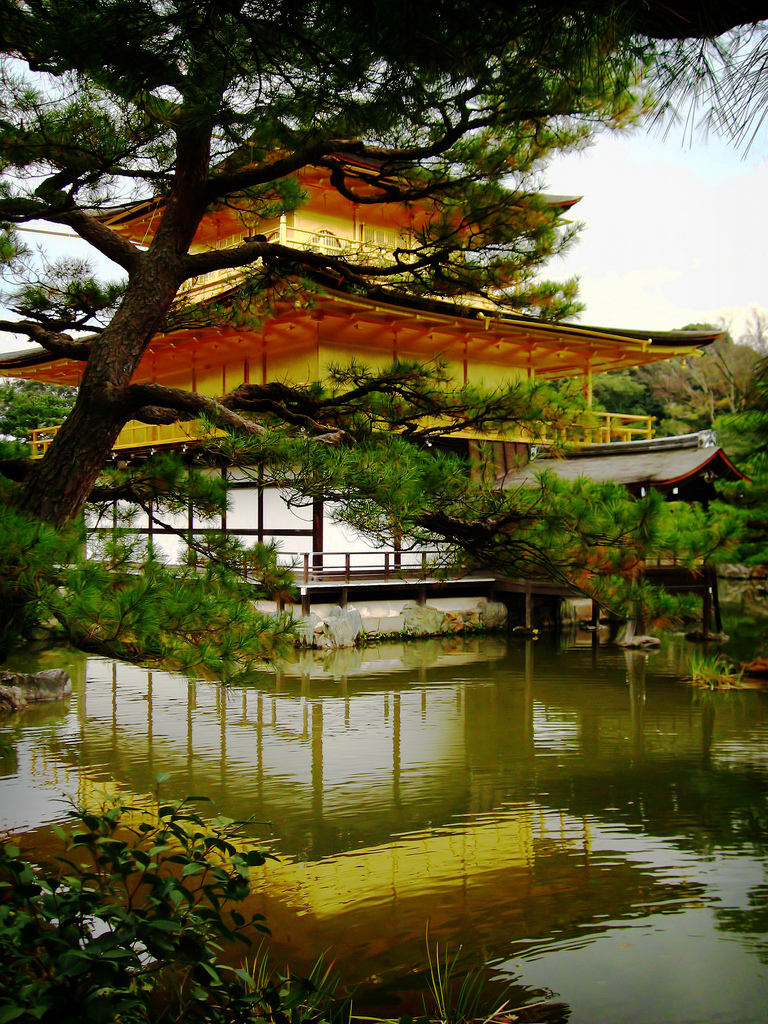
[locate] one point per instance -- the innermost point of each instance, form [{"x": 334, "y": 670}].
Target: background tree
[
  {"x": 684, "y": 395},
  {"x": 756, "y": 333},
  {"x": 27, "y": 405}
]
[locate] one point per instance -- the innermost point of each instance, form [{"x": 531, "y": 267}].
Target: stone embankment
[
  {"x": 743, "y": 590},
  {"x": 345, "y": 627},
  {"x": 19, "y": 689}
]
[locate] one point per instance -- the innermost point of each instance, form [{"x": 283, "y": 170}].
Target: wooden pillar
[
  {"x": 317, "y": 532},
  {"x": 528, "y": 607},
  {"x": 588, "y": 386},
  {"x": 707, "y": 611}
]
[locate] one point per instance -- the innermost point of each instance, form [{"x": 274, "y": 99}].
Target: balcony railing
[
  {"x": 376, "y": 250},
  {"x": 616, "y": 426},
  {"x": 358, "y": 566},
  {"x": 134, "y": 436},
  {"x": 611, "y": 426}
]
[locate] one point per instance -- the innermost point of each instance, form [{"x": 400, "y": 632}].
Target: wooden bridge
[{"x": 342, "y": 576}]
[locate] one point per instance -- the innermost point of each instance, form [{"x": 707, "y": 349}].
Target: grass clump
[{"x": 714, "y": 672}]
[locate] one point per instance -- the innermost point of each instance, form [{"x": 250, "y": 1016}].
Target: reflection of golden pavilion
[
  {"x": 384, "y": 798},
  {"x": 300, "y": 340}
]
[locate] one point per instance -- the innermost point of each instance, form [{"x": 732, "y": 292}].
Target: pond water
[{"x": 578, "y": 818}]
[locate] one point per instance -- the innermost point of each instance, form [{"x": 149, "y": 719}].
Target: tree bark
[{"x": 57, "y": 492}]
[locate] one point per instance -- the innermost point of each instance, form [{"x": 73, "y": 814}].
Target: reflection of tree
[{"x": 749, "y": 920}]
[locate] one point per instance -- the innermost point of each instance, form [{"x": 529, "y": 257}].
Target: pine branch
[
  {"x": 108, "y": 243},
  {"x": 54, "y": 342},
  {"x": 150, "y": 403}
]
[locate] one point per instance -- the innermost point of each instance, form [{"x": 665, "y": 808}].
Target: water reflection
[{"x": 534, "y": 803}]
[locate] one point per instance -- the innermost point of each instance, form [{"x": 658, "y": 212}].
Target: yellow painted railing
[
  {"x": 611, "y": 426},
  {"x": 134, "y": 435},
  {"x": 616, "y": 426},
  {"x": 600, "y": 428},
  {"x": 376, "y": 249}
]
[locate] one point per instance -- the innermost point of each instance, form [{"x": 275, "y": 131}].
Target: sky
[{"x": 676, "y": 232}]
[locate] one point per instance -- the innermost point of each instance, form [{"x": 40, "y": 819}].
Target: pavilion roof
[
  {"x": 402, "y": 325},
  {"x": 659, "y": 462}
]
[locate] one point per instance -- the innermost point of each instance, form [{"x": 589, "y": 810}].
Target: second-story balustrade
[
  {"x": 140, "y": 437},
  {"x": 360, "y": 243}
]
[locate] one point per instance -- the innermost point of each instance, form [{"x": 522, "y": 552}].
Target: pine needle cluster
[{"x": 123, "y": 602}]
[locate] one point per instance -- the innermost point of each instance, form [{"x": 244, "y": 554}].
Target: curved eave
[
  {"x": 718, "y": 456},
  {"x": 398, "y": 326},
  {"x": 36, "y": 363}
]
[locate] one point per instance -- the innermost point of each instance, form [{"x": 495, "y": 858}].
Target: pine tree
[
  {"x": 190, "y": 104},
  {"x": 27, "y": 405}
]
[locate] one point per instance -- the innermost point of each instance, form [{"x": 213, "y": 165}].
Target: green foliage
[
  {"x": 128, "y": 925},
  {"x": 65, "y": 294},
  {"x": 29, "y": 554},
  {"x": 283, "y": 998},
  {"x": 684, "y": 395},
  {"x": 123, "y": 602},
  {"x": 27, "y": 405},
  {"x": 747, "y": 502},
  {"x": 622, "y": 391},
  {"x": 457, "y": 997},
  {"x": 714, "y": 672}
]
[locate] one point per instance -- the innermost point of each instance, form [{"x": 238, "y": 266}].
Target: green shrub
[{"x": 128, "y": 925}]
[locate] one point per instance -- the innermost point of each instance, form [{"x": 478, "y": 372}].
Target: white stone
[
  {"x": 342, "y": 630},
  {"x": 492, "y": 613},
  {"x": 18, "y": 689}
]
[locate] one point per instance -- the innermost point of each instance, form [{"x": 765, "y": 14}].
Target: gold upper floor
[{"x": 302, "y": 336}]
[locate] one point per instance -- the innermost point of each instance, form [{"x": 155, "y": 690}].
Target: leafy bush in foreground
[{"x": 128, "y": 925}]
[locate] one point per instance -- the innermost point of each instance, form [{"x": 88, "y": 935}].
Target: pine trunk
[{"x": 58, "y": 490}]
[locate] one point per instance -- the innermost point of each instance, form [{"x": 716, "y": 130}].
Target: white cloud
[{"x": 674, "y": 235}]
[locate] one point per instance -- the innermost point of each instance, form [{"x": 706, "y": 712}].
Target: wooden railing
[
  {"x": 134, "y": 436},
  {"x": 619, "y": 426},
  {"x": 310, "y": 239},
  {"x": 352, "y": 566}
]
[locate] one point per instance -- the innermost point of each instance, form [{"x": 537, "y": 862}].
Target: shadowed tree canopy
[
  {"x": 680, "y": 19},
  {"x": 193, "y": 105}
]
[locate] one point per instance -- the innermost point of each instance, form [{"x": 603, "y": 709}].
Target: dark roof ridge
[{"x": 673, "y": 442}]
